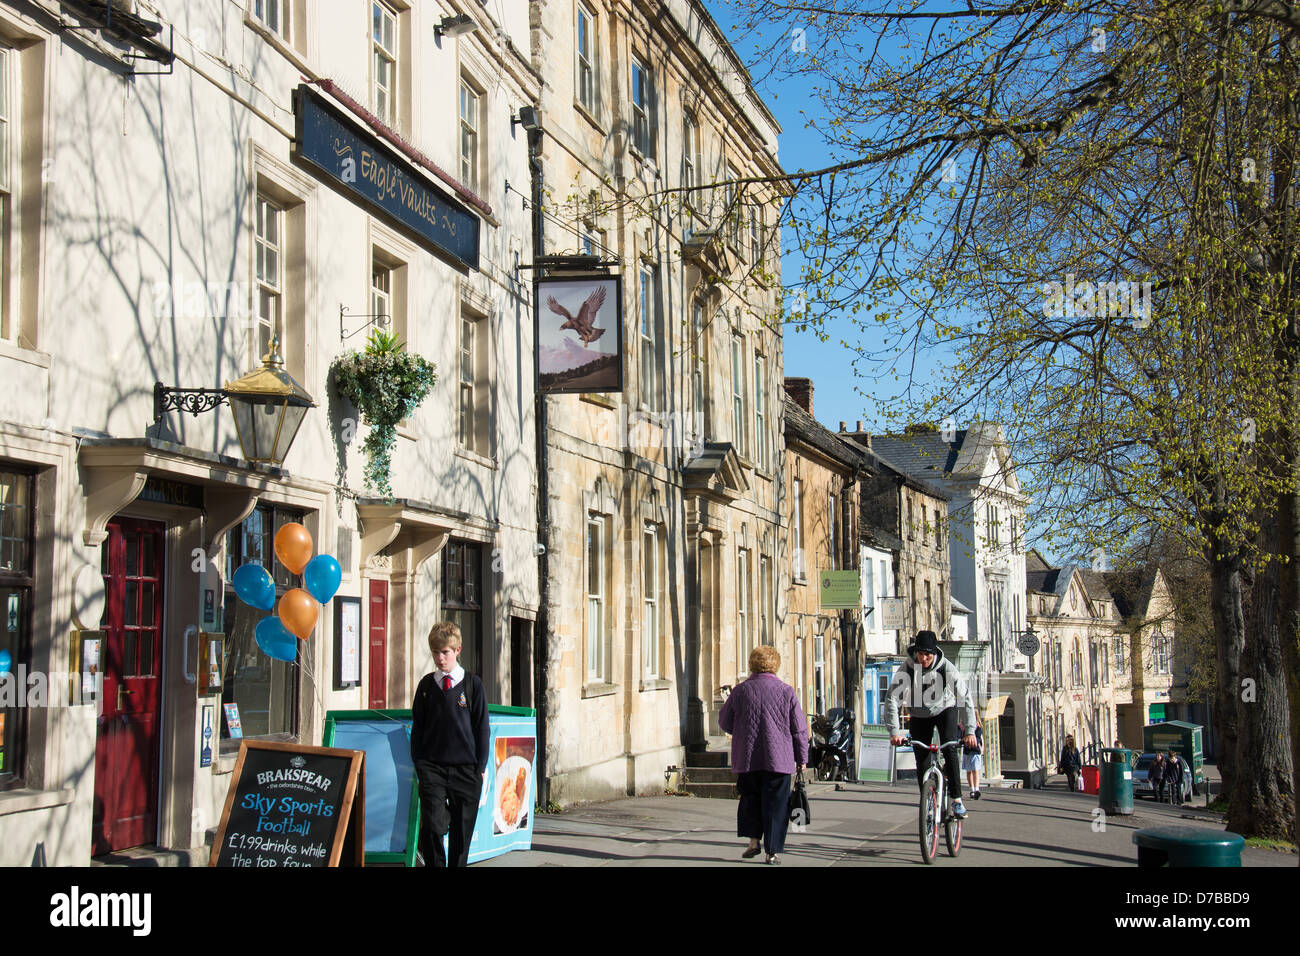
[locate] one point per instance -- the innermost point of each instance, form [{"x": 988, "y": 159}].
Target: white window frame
[
  {"x": 642, "y": 103},
  {"x": 744, "y": 622},
  {"x": 760, "y": 415},
  {"x": 739, "y": 414},
  {"x": 470, "y": 113},
  {"x": 799, "y": 668},
  {"x": 765, "y": 599},
  {"x": 650, "y": 618},
  {"x": 731, "y": 208},
  {"x": 699, "y": 376},
  {"x": 274, "y": 15},
  {"x": 587, "y": 78},
  {"x": 381, "y": 292},
  {"x": 597, "y": 603},
  {"x": 269, "y": 252},
  {"x": 381, "y": 53},
  {"x": 796, "y": 528},
  {"x": 651, "y": 362},
  {"x": 690, "y": 157},
  {"x": 832, "y": 529}
]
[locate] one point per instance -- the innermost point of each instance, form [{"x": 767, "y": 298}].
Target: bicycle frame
[{"x": 942, "y": 815}]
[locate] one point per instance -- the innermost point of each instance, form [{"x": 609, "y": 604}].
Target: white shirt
[{"x": 457, "y": 675}]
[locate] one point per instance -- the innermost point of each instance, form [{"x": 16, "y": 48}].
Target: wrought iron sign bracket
[
  {"x": 192, "y": 400},
  {"x": 380, "y": 319}
]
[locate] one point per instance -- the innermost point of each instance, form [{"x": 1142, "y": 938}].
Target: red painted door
[
  {"x": 126, "y": 746},
  {"x": 378, "y": 644}
]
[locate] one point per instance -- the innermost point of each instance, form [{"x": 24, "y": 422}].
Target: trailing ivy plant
[{"x": 386, "y": 384}]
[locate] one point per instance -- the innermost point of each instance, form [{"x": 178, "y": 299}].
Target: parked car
[{"x": 1142, "y": 785}]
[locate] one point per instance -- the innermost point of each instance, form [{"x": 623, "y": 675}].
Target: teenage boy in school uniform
[{"x": 449, "y": 747}]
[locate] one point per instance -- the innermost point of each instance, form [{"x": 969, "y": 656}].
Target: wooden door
[
  {"x": 378, "y": 644},
  {"x": 126, "y": 745}
]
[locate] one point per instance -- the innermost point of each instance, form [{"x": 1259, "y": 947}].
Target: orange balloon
[
  {"x": 293, "y": 547},
  {"x": 298, "y": 611}
]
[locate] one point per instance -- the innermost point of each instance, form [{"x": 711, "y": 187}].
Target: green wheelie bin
[
  {"x": 1187, "y": 846},
  {"x": 1115, "y": 793}
]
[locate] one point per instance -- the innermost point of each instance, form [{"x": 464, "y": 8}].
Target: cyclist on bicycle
[{"x": 931, "y": 687}]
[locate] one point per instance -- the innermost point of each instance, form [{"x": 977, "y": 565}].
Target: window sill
[
  {"x": 407, "y": 430},
  {"x": 590, "y": 118},
  {"x": 475, "y": 457},
  {"x": 20, "y": 801},
  {"x": 20, "y": 354},
  {"x": 277, "y": 41},
  {"x": 598, "y": 690},
  {"x": 800, "y": 578},
  {"x": 643, "y": 159},
  {"x": 655, "y": 683},
  {"x": 593, "y": 399}
]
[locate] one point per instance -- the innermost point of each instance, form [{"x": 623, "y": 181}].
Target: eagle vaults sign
[{"x": 360, "y": 166}]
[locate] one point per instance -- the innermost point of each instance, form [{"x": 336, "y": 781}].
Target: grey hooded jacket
[{"x": 928, "y": 692}]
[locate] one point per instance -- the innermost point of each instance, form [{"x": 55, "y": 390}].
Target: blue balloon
[
  {"x": 275, "y": 640},
  {"x": 253, "y": 584},
  {"x": 6, "y": 662},
  {"x": 321, "y": 577}
]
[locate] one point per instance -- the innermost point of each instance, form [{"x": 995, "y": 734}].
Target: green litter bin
[
  {"x": 1115, "y": 792},
  {"x": 1187, "y": 846}
]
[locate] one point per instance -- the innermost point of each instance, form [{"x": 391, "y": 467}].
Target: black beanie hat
[{"x": 925, "y": 641}]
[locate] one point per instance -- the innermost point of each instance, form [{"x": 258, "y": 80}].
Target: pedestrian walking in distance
[
  {"x": 1071, "y": 762},
  {"x": 972, "y": 760},
  {"x": 769, "y": 741},
  {"x": 1156, "y": 776}
]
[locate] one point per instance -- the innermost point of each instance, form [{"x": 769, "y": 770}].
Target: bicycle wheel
[
  {"x": 929, "y": 820},
  {"x": 952, "y": 834}
]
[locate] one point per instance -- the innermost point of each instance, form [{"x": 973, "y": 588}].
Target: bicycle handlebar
[{"x": 933, "y": 748}]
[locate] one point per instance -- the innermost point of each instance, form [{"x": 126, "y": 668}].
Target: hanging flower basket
[{"x": 386, "y": 384}]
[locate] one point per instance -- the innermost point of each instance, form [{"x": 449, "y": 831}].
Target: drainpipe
[{"x": 541, "y": 641}]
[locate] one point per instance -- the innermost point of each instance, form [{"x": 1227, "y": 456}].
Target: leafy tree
[{"x": 1092, "y": 206}]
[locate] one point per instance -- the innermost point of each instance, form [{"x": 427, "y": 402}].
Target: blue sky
[{"x": 839, "y": 394}]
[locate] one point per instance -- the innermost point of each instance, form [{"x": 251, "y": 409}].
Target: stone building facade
[
  {"x": 1074, "y": 617},
  {"x": 823, "y": 473},
  {"x": 666, "y": 500},
  {"x": 1143, "y": 648},
  {"x": 163, "y": 220},
  {"x": 986, "y": 521},
  {"x": 914, "y": 512}
]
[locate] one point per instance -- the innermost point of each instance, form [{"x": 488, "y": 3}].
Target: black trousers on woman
[
  {"x": 921, "y": 729},
  {"x": 764, "y": 811}
]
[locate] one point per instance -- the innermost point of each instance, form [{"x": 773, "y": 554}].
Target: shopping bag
[{"x": 800, "y": 813}]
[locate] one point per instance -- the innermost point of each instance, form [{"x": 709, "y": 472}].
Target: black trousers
[
  {"x": 764, "y": 811},
  {"x": 922, "y": 728},
  {"x": 448, "y": 805}
]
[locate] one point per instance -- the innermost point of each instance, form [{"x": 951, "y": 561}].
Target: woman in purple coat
[{"x": 769, "y": 740}]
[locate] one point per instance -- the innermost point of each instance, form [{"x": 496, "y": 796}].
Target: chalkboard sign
[{"x": 291, "y": 805}]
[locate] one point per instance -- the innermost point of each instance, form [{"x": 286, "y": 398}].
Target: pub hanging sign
[{"x": 358, "y": 165}]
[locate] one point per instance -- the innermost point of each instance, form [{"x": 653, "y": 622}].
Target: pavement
[{"x": 861, "y": 825}]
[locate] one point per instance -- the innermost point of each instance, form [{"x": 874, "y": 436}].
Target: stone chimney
[
  {"x": 800, "y": 391},
  {"x": 863, "y": 438}
]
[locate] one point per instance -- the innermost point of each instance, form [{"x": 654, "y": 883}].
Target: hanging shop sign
[
  {"x": 579, "y": 334},
  {"x": 893, "y": 613},
  {"x": 840, "y": 589},
  {"x": 359, "y": 165}
]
